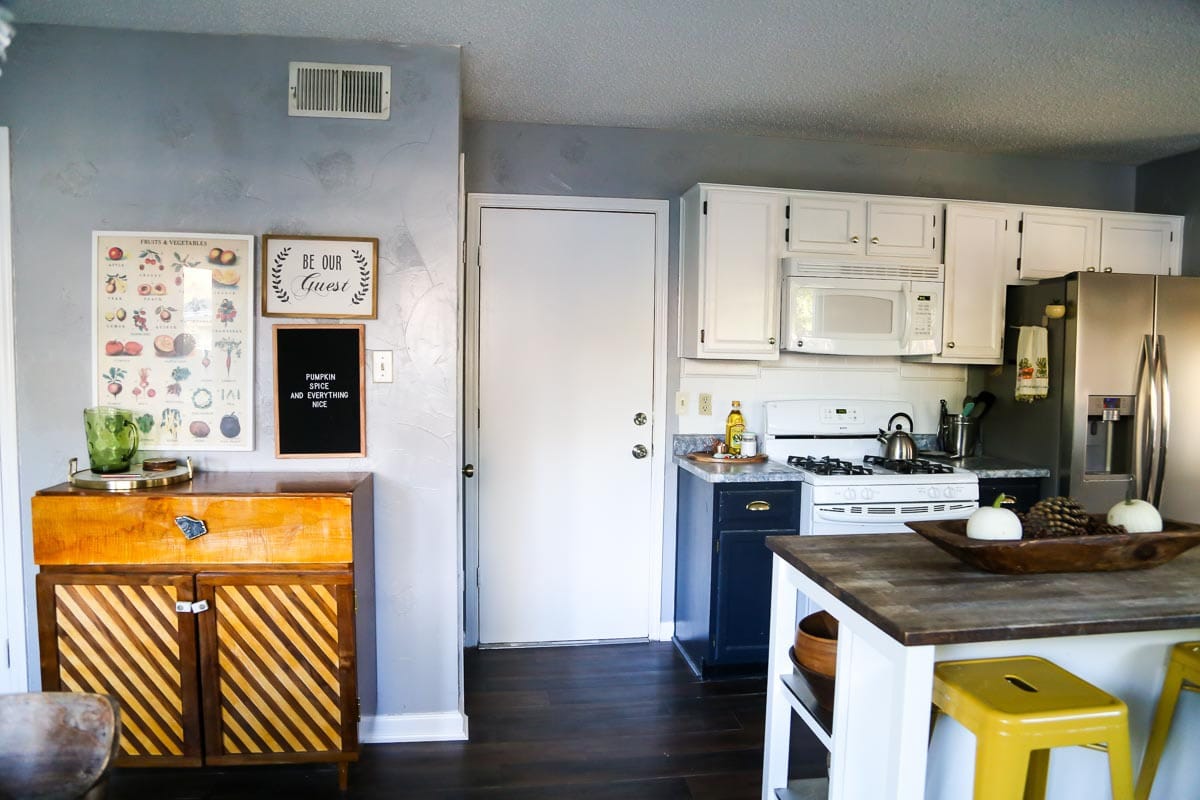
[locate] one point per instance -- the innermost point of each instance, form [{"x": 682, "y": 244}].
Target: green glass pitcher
[{"x": 112, "y": 438}]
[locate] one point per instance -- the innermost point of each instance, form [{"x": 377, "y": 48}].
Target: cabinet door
[
  {"x": 1138, "y": 243},
  {"x": 903, "y": 229},
  {"x": 743, "y": 597},
  {"x": 973, "y": 316},
  {"x": 741, "y": 275},
  {"x": 277, "y": 665},
  {"x": 823, "y": 224},
  {"x": 120, "y": 635},
  {"x": 1054, "y": 243}
]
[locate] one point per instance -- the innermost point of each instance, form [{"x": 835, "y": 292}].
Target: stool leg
[
  {"x": 1163, "y": 714},
  {"x": 1120, "y": 764},
  {"x": 1000, "y": 768},
  {"x": 1039, "y": 769}
]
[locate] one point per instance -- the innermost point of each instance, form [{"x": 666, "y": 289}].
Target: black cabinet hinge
[
  {"x": 705, "y": 210},
  {"x": 935, "y": 220},
  {"x": 1172, "y": 236},
  {"x": 787, "y": 235},
  {"x": 1021, "y": 226},
  {"x": 718, "y": 547},
  {"x": 935, "y": 243},
  {"x": 787, "y": 212},
  {"x": 702, "y": 336},
  {"x": 1018, "y": 264}
]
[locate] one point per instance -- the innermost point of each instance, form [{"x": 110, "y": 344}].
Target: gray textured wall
[
  {"x": 1172, "y": 186},
  {"x": 632, "y": 162},
  {"x": 168, "y": 132}
]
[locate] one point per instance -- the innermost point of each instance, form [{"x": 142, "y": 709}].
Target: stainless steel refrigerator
[{"x": 1124, "y": 383}]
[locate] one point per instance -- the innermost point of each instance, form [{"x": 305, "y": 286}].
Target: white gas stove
[{"x": 848, "y": 486}]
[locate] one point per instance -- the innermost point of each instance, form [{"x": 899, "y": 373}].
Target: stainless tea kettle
[{"x": 898, "y": 444}]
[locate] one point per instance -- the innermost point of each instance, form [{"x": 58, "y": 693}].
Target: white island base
[{"x": 879, "y": 738}]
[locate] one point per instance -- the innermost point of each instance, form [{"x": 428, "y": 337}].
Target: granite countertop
[
  {"x": 919, "y": 595},
  {"x": 762, "y": 472},
  {"x": 992, "y": 467}
]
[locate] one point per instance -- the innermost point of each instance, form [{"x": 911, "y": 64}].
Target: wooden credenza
[{"x": 243, "y": 645}]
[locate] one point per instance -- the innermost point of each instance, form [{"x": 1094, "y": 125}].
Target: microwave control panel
[{"x": 923, "y": 314}]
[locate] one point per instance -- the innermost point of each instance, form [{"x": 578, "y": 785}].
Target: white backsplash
[{"x": 802, "y": 376}]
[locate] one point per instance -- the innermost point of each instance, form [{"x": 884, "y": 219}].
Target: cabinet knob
[
  {"x": 771, "y": 340},
  {"x": 950, "y": 345},
  {"x": 874, "y": 240},
  {"x": 853, "y": 240},
  {"x": 758, "y": 505},
  {"x": 639, "y": 418},
  {"x": 640, "y": 451},
  {"x": 1091, "y": 269},
  {"x": 1108, "y": 269},
  {"x": 468, "y": 471}
]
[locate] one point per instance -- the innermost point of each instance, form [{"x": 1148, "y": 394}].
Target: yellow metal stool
[
  {"x": 1183, "y": 673},
  {"x": 1018, "y": 708}
]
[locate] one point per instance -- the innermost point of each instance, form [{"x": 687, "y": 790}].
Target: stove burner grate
[
  {"x": 828, "y": 466},
  {"x": 912, "y": 466}
]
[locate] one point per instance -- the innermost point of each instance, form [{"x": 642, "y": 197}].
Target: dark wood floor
[{"x": 614, "y": 722}]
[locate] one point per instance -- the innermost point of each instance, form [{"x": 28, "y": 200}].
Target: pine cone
[{"x": 1058, "y": 516}]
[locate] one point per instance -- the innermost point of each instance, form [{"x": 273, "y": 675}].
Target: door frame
[
  {"x": 14, "y": 666},
  {"x": 659, "y": 453}
]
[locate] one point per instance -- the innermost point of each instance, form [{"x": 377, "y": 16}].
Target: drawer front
[
  {"x": 758, "y": 509},
  {"x": 133, "y": 529}
]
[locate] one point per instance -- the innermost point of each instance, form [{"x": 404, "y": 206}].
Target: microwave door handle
[{"x": 905, "y": 338}]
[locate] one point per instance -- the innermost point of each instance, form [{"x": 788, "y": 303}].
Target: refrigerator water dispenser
[{"x": 1109, "y": 440}]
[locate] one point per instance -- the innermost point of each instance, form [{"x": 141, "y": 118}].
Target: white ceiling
[{"x": 1110, "y": 80}]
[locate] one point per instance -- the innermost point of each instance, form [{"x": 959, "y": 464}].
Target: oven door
[
  {"x": 836, "y": 518},
  {"x": 843, "y": 316}
]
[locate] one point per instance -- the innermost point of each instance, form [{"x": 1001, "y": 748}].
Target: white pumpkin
[
  {"x": 994, "y": 522},
  {"x": 1137, "y": 516}
]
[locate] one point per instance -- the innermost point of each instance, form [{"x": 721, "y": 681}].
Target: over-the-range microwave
[{"x": 862, "y": 309}]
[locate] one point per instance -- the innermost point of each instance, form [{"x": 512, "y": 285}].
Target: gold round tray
[{"x": 135, "y": 478}]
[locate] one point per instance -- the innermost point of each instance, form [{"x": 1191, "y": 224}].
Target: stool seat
[
  {"x": 1021, "y": 707},
  {"x": 1183, "y": 674}
]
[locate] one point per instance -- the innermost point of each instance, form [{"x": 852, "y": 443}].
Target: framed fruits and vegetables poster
[{"x": 173, "y": 336}]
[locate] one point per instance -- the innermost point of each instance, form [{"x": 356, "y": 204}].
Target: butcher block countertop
[{"x": 919, "y": 595}]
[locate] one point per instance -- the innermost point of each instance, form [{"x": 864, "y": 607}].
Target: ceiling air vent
[{"x": 345, "y": 91}]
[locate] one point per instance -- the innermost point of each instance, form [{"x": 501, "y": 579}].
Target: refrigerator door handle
[
  {"x": 1144, "y": 420},
  {"x": 1164, "y": 424}
]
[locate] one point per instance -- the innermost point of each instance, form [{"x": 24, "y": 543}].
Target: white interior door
[{"x": 566, "y": 344}]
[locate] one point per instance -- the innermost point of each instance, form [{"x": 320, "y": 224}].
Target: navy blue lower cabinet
[
  {"x": 723, "y": 570},
  {"x": 1025, "y": 491}
]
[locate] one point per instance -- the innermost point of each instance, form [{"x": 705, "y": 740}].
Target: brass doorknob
[
  {"x": 640, "y": 451},
  {"x": 468, "y": 471}
]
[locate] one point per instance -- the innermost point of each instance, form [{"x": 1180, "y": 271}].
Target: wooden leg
[
  {"x": 1163, "y": 715},
  {"x": 343, "y": 775}
]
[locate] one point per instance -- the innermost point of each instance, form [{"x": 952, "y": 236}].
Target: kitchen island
[{"x": 903, "y": 605}]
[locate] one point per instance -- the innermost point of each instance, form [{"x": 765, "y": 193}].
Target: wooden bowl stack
[{"x": 816, "y": 655}]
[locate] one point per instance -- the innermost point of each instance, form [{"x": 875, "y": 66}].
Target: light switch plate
[
  {"x": 681, "y": 404},
  {"x": 381, "y": 366}
]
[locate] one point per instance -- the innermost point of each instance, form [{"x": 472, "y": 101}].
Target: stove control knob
[
  {"x": 849, "y": 494},
  {"x": 867, "y": 494},
  {"x": 953, "y": 491},
  {"x": 934, "y": 492}
]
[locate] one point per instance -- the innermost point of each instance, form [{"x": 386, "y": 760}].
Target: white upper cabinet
[
  {"x": 903, "y": 229},
  {"x": 977, "y": 240},
  {"x": 1140, "y": 243},
  {"x": 824, "y": 224},
  {"x": 1055, "y": 243},
  {"x": 730, "y": 273},
  {"x": 893, "y": 229}
]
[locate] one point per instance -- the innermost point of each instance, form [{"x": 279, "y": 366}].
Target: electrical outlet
[
  {"x": 704, "y": 406},
  {"x": 681, "y": 404},
  {"x": 381, "y": 366}
]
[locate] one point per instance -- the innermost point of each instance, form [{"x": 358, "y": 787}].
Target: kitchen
[{"x": 419, "y": 596}]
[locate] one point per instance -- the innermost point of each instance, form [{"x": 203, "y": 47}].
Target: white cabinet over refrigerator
[{"x": 729, "y": 276}]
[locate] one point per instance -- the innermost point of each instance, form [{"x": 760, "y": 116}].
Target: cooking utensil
[
  {"x": 985, "y": 400},
  {"x": 967, "y": 409},
  {"x": 898, "y": 444},
  {"x": 961, "y": 436}
]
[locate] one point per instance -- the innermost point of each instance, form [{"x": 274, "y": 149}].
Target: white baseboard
[
  {"x": 440, "y": 726},
  {"x": 666, "y": 631}
]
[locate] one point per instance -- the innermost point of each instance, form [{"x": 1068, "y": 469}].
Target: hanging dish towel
[{"x": 1033, "y": 368}]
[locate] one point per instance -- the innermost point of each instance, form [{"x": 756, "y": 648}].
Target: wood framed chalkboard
[{"x": 320, "y": 409}]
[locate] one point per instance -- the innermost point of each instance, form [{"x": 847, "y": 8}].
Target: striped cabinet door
[
  {"x": 277, "y": 664},
  {"x": 120, "y": 635}
]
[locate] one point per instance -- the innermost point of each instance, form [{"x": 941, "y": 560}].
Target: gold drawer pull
[{"x": 758, "y": 505}]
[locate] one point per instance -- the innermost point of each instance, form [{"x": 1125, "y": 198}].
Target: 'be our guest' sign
[
  {"x": 319, "y": 401},
  {"x": 319, "y": 276}
]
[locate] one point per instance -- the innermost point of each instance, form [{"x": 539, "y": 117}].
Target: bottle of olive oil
[{"x": 735, "y": 425}]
